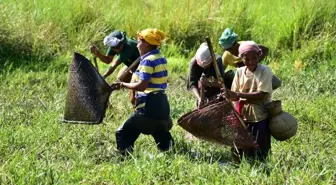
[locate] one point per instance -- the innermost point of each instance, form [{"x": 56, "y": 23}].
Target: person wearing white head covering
[
  {"x": 203, "y": 56},
  {"x": 111, "y": 41},
  {"x": 200, "y": 64},
  {"x": 126, "y": 50}
]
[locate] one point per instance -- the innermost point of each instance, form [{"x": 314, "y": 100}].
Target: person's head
[
  {"x": 115, "y": 40},
  {"x": 227, "y": 39},
  {"x": 250, "y": 52},
  {"x": 149, "y": 39},
  {"x": 203, "y": 56}
]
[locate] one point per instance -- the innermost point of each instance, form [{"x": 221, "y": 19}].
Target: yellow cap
[{"x": 152, "y": 35}]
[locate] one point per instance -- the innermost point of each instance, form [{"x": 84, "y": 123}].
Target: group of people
[{"x": 250, "y": 87}]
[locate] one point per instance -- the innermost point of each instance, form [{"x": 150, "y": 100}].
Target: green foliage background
[{"x": 38, "y": 37}]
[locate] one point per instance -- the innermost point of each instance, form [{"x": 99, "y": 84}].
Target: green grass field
[{"x": 38, "y": 37}]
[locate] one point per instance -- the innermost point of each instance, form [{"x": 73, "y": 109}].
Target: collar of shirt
[{"x": 155, "y": 51}]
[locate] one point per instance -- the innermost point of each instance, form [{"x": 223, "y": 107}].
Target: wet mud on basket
[
  {"x": 87, "y": 95},
  {"x": 217, "y": 122}
]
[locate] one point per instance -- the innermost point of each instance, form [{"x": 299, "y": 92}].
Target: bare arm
[
  {"x": 137, "y": 86},
  {"x": 112, "y": 68},
  {"x": 196, "y": 93},
  {"x": 106, "y": 59},
  {"x": 248, "y": 96}
]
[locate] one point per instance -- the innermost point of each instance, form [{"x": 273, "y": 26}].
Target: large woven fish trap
[
  {"x": 88, "y": 93},
  {"x": 217, "y": 122}
]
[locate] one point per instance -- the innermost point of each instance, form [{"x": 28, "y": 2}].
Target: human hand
[
  {"x": 94, "y": 49},
  {"x": 227, "y": 93},
  {"x": 256, "y": 145},
  {"x": 200, "y": 103},
  {"x": 116, "y": 86},
  {"x": 204, "y": 81}
]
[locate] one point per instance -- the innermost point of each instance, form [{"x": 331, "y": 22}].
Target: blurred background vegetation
[{"x": 38, "y": 38}]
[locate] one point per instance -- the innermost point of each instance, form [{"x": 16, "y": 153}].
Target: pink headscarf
[{"x": 249, "y": 46}]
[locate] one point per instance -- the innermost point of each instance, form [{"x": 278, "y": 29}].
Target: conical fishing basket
[
  {"x": 88, "y": 93},
  {"x": 217, "y": 122}
]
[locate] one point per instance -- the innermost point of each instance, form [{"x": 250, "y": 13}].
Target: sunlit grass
[{"x": 37, "y": 39}]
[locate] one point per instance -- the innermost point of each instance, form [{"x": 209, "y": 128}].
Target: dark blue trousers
[
  {"x": 261, "y": 135},
  {"x": 153, "y": 119}
]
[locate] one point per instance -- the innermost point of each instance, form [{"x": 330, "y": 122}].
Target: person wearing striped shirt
[{"x": 152, "y": 110}]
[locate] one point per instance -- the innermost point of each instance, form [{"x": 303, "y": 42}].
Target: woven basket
[
  {"x": 88, "y": 93},
  {"x": 216, "y": 122}
]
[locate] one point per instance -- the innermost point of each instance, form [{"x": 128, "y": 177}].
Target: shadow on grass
[
  {"x": 185, "y": 148},
  {"x": 104, "y": 152},
  {"x": 16, "y": 52}
]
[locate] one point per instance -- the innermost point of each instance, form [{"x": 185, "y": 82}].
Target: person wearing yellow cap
[
  {"x": 118, "y": 44},
  {"x": 152, "y": 110}
]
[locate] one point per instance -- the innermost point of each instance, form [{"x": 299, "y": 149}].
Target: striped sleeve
[{"x": 146, "y": 69}]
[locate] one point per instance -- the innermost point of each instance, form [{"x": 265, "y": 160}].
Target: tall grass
[
  {"x": 303, "y": 28},
  {"x": 37, "y": 38}
]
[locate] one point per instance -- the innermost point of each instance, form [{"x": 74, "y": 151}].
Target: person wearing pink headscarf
[{"x": 251, "y": 90}]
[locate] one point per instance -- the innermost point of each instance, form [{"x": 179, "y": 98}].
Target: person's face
[
  {"x": 250, "y": 59},
  {"x": 142, "y": 46},
  {"x": 118, "y": 49},
  {"x": 203, "y": 66}
]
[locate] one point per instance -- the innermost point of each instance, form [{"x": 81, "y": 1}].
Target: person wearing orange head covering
[{"x": 152, "y": 110}]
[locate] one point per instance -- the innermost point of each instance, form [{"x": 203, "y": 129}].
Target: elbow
[
  {"x": 108, "y": 61},
  {"x": 141, "y": 88},
  {"x": 263, "y": 95}
]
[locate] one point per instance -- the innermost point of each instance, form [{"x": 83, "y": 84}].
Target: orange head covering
[{"x": 152, "y": 35}]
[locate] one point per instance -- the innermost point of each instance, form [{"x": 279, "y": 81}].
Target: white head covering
[
  {"x": 111, "y": 41},
  {"x": 203, "y": 56}
]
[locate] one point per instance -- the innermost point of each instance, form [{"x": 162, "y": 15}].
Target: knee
[
  {"x": 166, "y": 143},
  {"x": 119, "y": 132},
  {"x": 168, "y": 124}
]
